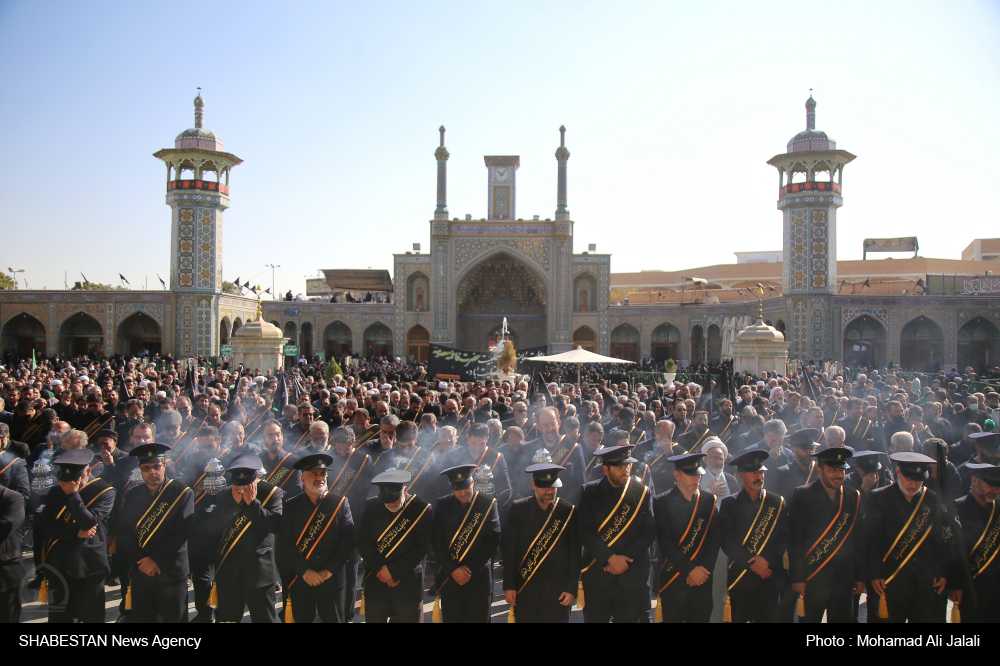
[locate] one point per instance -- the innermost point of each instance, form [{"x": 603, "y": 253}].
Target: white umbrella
[{"x": 578, "y": 356}]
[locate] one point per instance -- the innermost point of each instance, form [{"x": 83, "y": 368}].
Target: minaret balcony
[
  {"x": 191, "y": 184},
  {"x": 809, "y": 186}
]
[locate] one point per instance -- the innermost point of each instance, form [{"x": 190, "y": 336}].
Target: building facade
[{"x": 479, "y": 271}]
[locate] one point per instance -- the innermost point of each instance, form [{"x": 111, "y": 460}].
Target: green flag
[{"x": 33, "y": 364}]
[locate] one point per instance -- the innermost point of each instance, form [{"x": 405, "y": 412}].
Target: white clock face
[{"x": 500, "y": 174}]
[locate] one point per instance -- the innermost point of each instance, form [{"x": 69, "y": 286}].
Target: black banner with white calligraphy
[{"x": 449, "y": 363}]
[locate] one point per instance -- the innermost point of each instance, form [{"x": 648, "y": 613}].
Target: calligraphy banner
[{"x": 448, "y": 363}]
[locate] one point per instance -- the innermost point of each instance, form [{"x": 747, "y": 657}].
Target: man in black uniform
[
  {"x": 95, "y": 418},
  {"x": 243, "y": 525},
  {"x": 973, "y": 591},
  {"x": 279, "y": 464},
  {"x": 802, "y": 469},
  {"x": 393, "y": 538},
  {"x": 155, "y": 524},
  {"x": 11, "y": 569},
  {"x": 541, "y": 539},
  {"x": 754, "y": 525},
  {"x": 14, "y": 473},
  {"x": 688, "y": 543},
  {"x": 861, "y": 433},
  {"x": 477, "y": 453},
  {"x": 980, "y": 520},
  {"x": 316, "y": 537},
  {"x": 987, "y": 451},
  {"x": 868, "y": 474},
  {"x": 616, "y": 529},
  {"x": 693, "y": 439},
  {"x": 906, "y": 564},
  {"x": 826, "y": 552},
  {"x": 465, "y": 534},
  {"x": 518, "y": 457},
  {"x": 72, "y": 531}
]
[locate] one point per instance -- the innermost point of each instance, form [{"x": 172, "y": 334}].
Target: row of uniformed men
[{"x": 895, "y": 543}]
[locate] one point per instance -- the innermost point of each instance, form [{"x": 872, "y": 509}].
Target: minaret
[
  {"x": 441, "y": 154},
  {"x": 197, "y": 193},
  {"x": 562, "y": 156},
  {"x": 809, "y": 209}
]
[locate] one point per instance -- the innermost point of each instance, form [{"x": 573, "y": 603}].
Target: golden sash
[
  {"x": 771, "y": 506},
  {"x": 349, "y": 473},
  {"x": 401, "y": 526},
  {"x": 562, "y": 453},
  {"x": 281, "y": 473},
  {"x": 234, "y": 532},
  {"x": 9, "y": 465},
  {"x": 414, "y": 463},
  {"x": 986, "y": 547},
  {"x": 911, "y": 537},
  {"x": 89, "y": 429},
  {"x": 722, "y": 435},
  {"x": 88, "y": 496},
  {"x": 305, "y": 435},
  {"x": 157, "y": 512},
  {"x": 697, "y": 445},
  {"x": 317, "y": 525},
  {"x": 697, "y": 531},
  {"x": 546, "y": 539},
  {"x": 370, "y": 432},
  {"x": 621, "y": 515},
  {"x": 826, "y": 547},
  {"x": 468, "y": 531},
  {"x": 854, "y": 433}
]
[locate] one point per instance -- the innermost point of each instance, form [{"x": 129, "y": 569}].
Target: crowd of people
[{"x": 370, "y": 492}]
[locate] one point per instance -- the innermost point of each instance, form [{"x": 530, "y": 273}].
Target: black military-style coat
[
  {"x": 250, "y": 563},
  {"x": 71, "y": 555},
  {"x": 361, "y": 487},
  {"x": 333, "y": 549},
  {"x": 448, "y": 518},
  {"x": 860, "y": 433},
  {"x": 736, "y": 516},
  {"x": 517, "y": 461},
  {"x": 11, "y": 536},
  {"x": 974, "y": 518},
  {"x": 789, "y": 477},
  {"x": 558, "y": 573},
  {"x": 888, "y": 511},
  {"x": 291, "y": 482},
  {"x": 168, "y": 547},
  {"x": 14, "y": 473},
  {"x": 672, "y": 514},
  {"x": 812, "y": 510},
  {"x": 596, "y": 503},
  {"x": 405, "y": 563},
  {"x": 498, "y": 465}
]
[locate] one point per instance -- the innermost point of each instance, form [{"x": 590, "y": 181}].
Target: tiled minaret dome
[
  {"x": 198, "y": 136},
  {"x": 810, "y": 138}
]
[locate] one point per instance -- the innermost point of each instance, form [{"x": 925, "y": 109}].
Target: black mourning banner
[{"x": 456, "y": 364}]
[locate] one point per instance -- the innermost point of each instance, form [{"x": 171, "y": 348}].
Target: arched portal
[
  {"x": 501, "y": 286},
  {"x": 864, "y": 342},
  {"x": 714, "y": 344},
  {"x": 237, "y": 324},
  {"x": 921, "y": 345},
  {"x": 585, "y": 337},
  {"x": 378, "y": 340},
  {"x": 978, "y": 345},
  {"x": 306, "y": 340},
  {"x": 292, "y": 333},
  {"x": 23, "y": 334},
  {"x": 697, "y": 345},
  {"x": 625, "y": 342},
  {"x": 665, "y": 342},
  {"x": 493, "y": 337},
  {"x": 81, "y": 334},
  {"x": 225, "y": 328},
  {"x": 337, "y": 340},
  {"x": 138, "y": 333},
  {"x": 418, "y": 344},
  {"x": 418, "y": 292}
]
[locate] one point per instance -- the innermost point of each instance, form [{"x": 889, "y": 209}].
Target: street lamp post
[
  {"x": 14, "y": 273},
  {"x": 273, "y": 292}
]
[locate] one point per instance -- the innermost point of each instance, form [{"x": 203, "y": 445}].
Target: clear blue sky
[{"x": 672, "y": 110}]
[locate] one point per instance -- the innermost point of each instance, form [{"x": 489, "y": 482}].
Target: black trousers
[
  {"x": 834, "y": 598},
  {"x": 323, "y": 599},
  {"x": 907, "y": 601},
  {"x": 234, "y": 597},
  {"x": 459, "y": 606},
  {"x": 351, "y": 574},
  {"x": 387, "y": 608},
  {"x": 754, "y": 603},
  {"x": 787, "y": 598},
  {"x": 682, "y": 603},
  {"x": 549, "y": 612},
  {"x": 10, "y": 606},
  {"x": 201, "y": 583},
  {"x": 73, "y": 599},
  {"x": 152, "y": 598},
  {"x": 616, "y": 604}
]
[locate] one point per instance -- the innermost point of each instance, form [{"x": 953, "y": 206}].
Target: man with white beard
[{"x": 316, "y": 538}]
